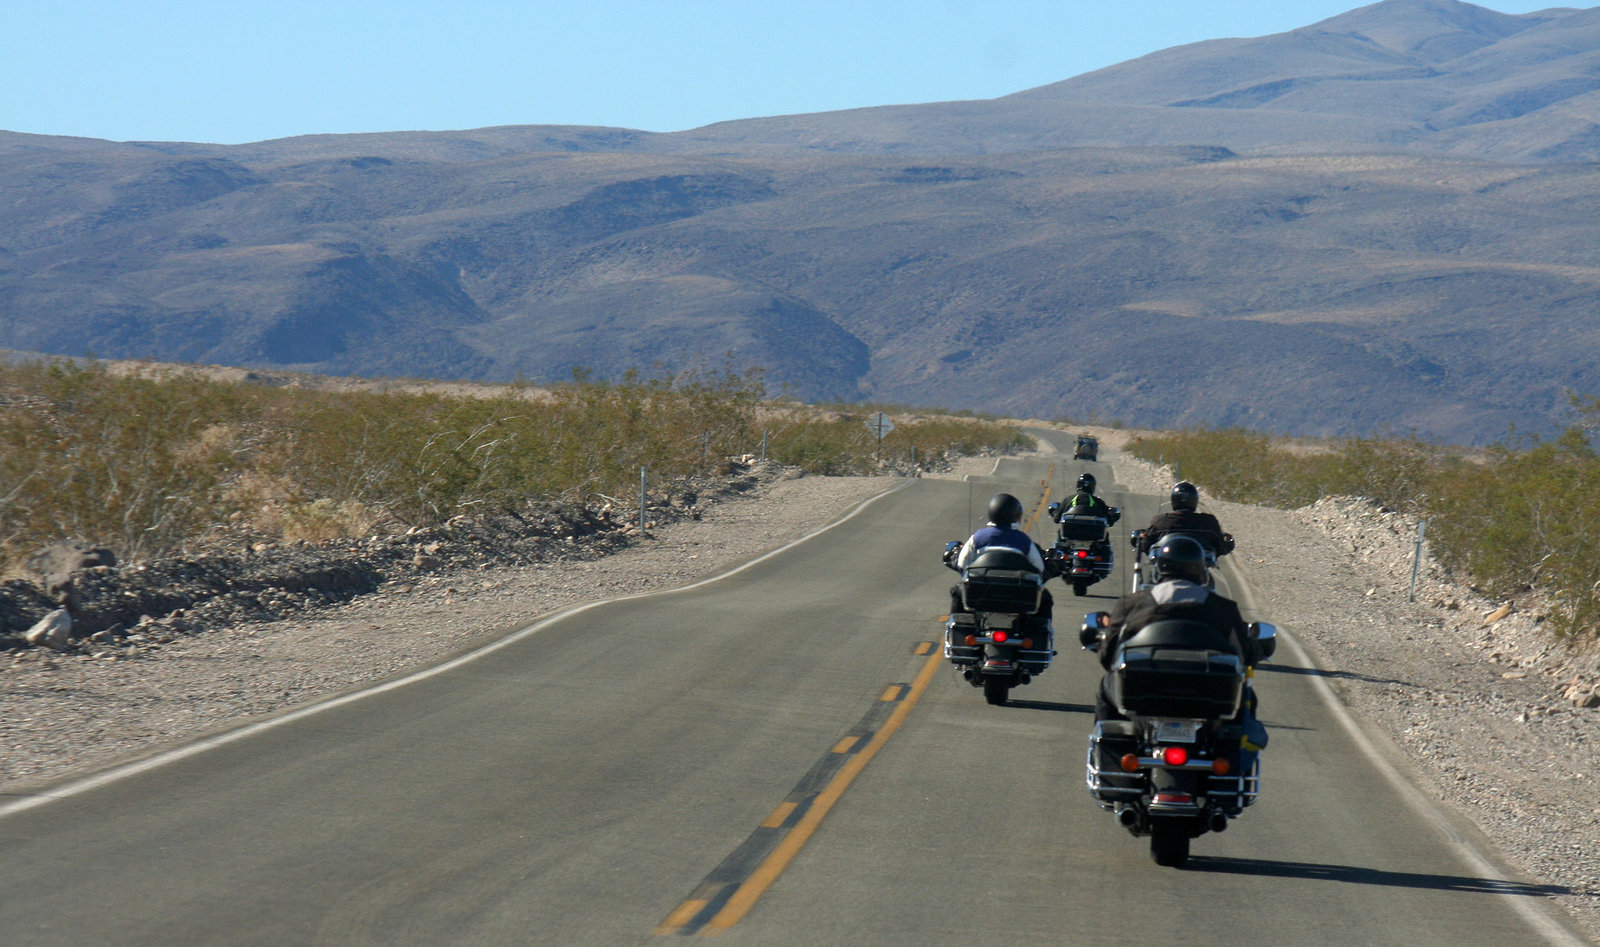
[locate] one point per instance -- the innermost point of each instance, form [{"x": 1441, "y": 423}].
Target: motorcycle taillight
[
  {"x": 1001, "y": 637},
  {"x": 1174, "y": 756}
]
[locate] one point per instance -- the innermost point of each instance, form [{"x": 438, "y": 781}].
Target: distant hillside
[{"x": 1387, "y": 220}]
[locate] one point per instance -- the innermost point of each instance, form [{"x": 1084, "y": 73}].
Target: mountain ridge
[{"x": 1293, "y": 244}]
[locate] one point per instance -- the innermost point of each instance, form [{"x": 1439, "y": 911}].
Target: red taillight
[
  {"x": 1001, "y": 637},
  {"x": 1175, "y": 756},
  {"x": 1082, "y": 554}
]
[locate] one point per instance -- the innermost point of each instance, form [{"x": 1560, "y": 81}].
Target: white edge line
[
  {"x": 1538, "y": 912},
  {"x": 992, "y": 471},
  {"x": 88, "y": 784}
]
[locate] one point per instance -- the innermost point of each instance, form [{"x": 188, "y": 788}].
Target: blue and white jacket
[{"x": 1005, "y": 537}]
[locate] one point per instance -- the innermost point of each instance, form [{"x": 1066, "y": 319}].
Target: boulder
[
  {"x": 53, "y": 631},
  {"x": 57, "y": 564}
]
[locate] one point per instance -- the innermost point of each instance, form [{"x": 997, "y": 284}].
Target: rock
[
  {"x": 1583, "y": 694},
  {"x": 1497, "y": 614},
  {"x": 53, "y": 631},
  {"x": 57, "y": 564}
]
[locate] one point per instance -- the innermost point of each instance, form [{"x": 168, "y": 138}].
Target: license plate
[{"x": 1177, "y": 731}]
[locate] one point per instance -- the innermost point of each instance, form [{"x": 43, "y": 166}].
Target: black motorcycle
[
  {"x": 1085, "y": 547},
  {"x": 1141, "y": 553},
  {"x": 1183, "y": 763},
  {"x": 996, "y": 639}
]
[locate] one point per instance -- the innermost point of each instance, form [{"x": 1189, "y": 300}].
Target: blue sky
[{"x": 232, "y": 71}]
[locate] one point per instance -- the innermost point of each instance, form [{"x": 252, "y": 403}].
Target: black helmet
[
  {"x": 1005, "y": 510},
  {"x": 1179, "y": 557},
  {"x": 1086, "y": 482},
  {"x": 1185, "y": 497}
]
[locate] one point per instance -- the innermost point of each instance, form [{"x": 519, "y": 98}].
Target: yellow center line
[
  {"x": 892, "y": 693},
  {"x": 685, "y": 912},
  {"x": 774, "y": 821},
  {"x": 768, "y": 871},
  {"x": 844, "y": 746},
  {"x": 923, "y": 647},
  {"x": 1044, "y": 498}
]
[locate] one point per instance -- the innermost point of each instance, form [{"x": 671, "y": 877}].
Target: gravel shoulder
[{"x": 1480, "y": 706}]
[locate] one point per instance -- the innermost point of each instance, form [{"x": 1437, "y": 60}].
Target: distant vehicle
[{"x": 1088, "y": 448}]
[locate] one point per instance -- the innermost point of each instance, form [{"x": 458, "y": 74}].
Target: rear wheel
[
  {"x": 996, "y": 690},
  {"x": 1080, "y": 588},
  {"x": 1169, "y": 843}
]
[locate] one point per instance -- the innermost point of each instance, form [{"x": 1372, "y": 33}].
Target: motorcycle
[
  {"x": 1085, "y": 549},
  {"x": 1183, "y": 763},
  {"x": 996, "y": 642},
  {"x": 1141, "y": 553}
]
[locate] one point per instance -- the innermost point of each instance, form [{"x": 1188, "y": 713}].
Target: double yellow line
[{"x": 690, "y": 917}]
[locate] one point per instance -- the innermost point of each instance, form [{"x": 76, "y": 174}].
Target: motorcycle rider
[
  {"x": 1185, "y": 519},
  {"x": 1085, "y": 503},
  {"x": 1005, "y": 512},
  {"x": 1180, "y": 592}
]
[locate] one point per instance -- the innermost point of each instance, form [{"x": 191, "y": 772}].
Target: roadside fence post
[
  {"x": 1416, "y": 562},
  {"x": 643, "y": 481}
]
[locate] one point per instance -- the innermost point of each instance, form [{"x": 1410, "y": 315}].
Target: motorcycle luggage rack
[
  {"x": 1036, "y": 660},
  {"x": 1108, "y": 783},
  {"x": 955, "y": 647},
  {"x": 1234, "y": 792}
]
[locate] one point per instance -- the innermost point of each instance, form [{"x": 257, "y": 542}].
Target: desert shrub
[
  {"x": 835, "y": 447},
  {"x": 134, "y": 462},
  {"x": 844, "y": 445},
  {"x": 1517, "y": 520},
  {"x": 152, "y": 465}
]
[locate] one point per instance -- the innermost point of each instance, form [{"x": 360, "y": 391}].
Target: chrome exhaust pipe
[
  {"x": 1128, "y": 817},
  {"x": 1219, "y": 821}
]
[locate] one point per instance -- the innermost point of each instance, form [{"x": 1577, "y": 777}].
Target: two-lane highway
[{"x": 774, "y": 757}]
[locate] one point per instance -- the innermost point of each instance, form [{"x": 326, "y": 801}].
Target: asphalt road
[{"x": 774, "y": 757}]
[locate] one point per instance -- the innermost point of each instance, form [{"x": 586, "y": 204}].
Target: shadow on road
[
  {"x": 1336, "y": 675},
  {"x": 1371, "y": 876},
  {"x": 1051, "y": 705}
]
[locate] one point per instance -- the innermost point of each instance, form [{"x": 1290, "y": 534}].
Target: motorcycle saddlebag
[
  {"x": 1108, "y": 744},
  {"x": 1178, "y": 669},
  {"x": 955, "y": 640}
]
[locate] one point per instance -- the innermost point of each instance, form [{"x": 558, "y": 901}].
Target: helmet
[
  {"x": 1086, "y": 482},
  {"x": 1005, "y": 510},
  {"x": 1179, "y": 557},
  {"x": 1185, "y": 497}
]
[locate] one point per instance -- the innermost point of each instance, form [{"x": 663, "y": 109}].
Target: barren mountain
[{"x": 1386, "y": 220}]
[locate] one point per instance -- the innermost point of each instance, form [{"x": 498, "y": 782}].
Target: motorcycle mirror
[
  {"x": 1266, "y": 636},
  {"x": 1089, "y": 634}
]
